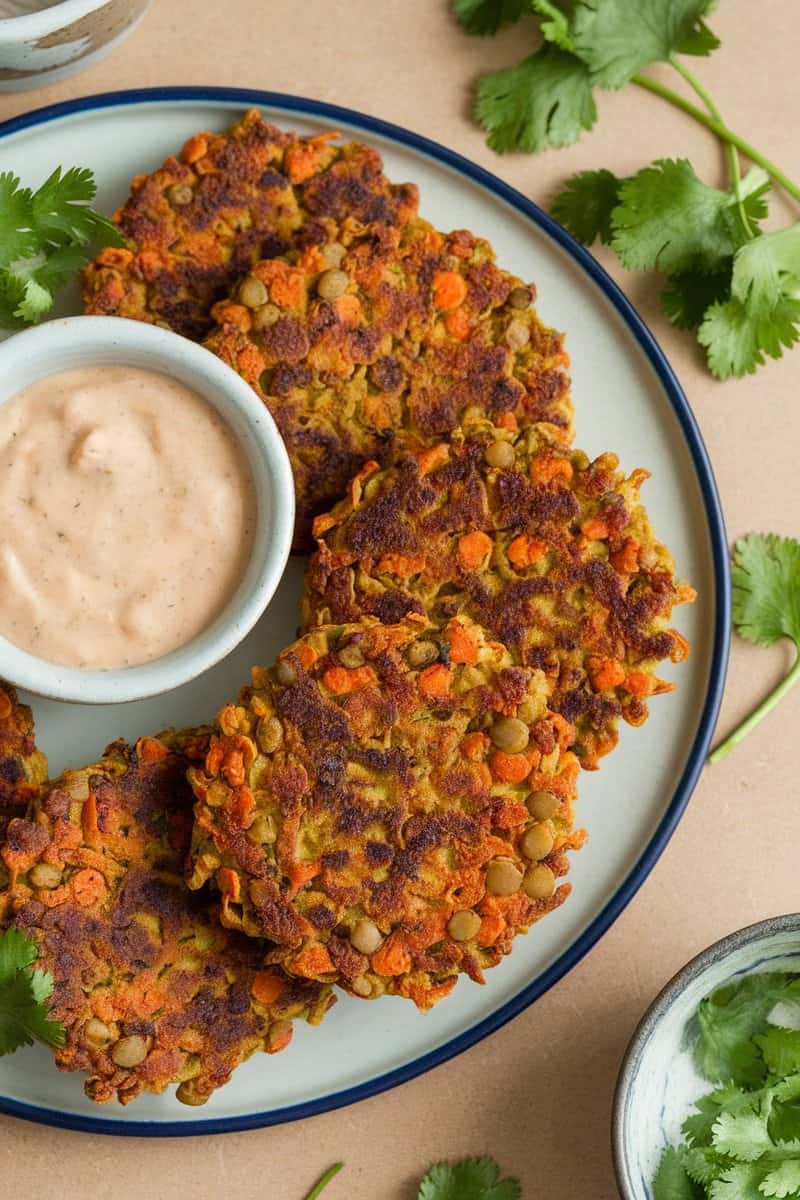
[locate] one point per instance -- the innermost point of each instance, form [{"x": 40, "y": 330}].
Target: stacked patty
[
  {"x": 389, "y": 806},
  {"x": 149, "y": 986}
]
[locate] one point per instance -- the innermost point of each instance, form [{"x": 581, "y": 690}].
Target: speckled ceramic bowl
[
  {"x": 42, "y": 47},
  {"x": 658, "y": 1083}
]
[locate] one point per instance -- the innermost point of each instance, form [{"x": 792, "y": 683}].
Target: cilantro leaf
[
  {"x": 742, "y": 1136},
  {"x": 470, "y": 1179},
  {"x": 616, "y": 38},
  {"x": 585, "y": 204},
  {"x": 546, "y": 100},
  {"x": 736, "y": 342},
  {"x": 766, "y": 590},
  {"x": 668, "y": 219},
  {"x": 672, "y": 1181},
  {"x": 728, "y": 1019},
  {"x": 703, "y": 1164},
  {"x": 767, "y": 269},
  {"x": 555, "y": 26},
  {"x": 783, "y": 1181},
  {"x": 16, "y": 237},
  {"x": 781, "y": 1050},
  {"x": 487, "y": 16},
  {"x": 739, "y": 1182},
  {"x": 688, "y": 296},
  {"x": 24, "y": 1013},
  {"x": 783, "y": 1121}
]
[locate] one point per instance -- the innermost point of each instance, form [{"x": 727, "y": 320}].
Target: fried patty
[
  {"x": 389, "y": 806},
  {"x": 202, "y": 219},
  {"x": 383, "y": 340},
  {"x": 150, "y": 987},
  {"x": 549, "y": 551},
  {"x": 22, "y": 766}
]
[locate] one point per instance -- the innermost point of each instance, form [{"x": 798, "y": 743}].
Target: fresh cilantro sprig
[
  {"x": 469, "y": 1179},
  {"x": 736, "y": 287},
  {"x": 765, "y": 578},
  {"x": 742, "y": 1142},
  {"x": 44, "y": 235},
  {"x": 24, "y": 992}
]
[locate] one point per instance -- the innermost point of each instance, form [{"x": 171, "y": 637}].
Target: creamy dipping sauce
[{"x": 127, "y": 514}]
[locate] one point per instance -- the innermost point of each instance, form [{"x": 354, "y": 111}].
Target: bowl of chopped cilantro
[{"x": 707, "y": 1105}]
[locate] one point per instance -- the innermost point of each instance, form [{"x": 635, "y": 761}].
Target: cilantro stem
[
  {"x": 724, "y": 749},
  {"x": 720, "y": 129},
  {"x": 324, "y": 1181},
  {"x": 731, "y": 153}
]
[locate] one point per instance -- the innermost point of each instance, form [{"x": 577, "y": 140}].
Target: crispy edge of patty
[
  {"x": 149, "y": 986},
  {"x": 356, "y": 807},
  {"x": 551, "y": 552},
  {"x": 22, "y": 766}
]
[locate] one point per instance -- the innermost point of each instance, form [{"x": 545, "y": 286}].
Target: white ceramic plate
[{"x": 627, "y": 399}]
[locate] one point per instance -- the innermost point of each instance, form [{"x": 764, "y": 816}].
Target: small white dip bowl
[
  {"x": 91, "y": 341},
  {"x": 658, "y": 1083},
  {"x": 39, "y": 48}
]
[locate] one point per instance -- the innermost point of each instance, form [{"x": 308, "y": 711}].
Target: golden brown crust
[
  {"x": 357, "y": 802},
  {"x": 199, "y": 221},
  {"x": 22, "y": 766},
  {"x": 552, "y": 553},
  {"x": 142, "y": 968},
  {"x": 411, "y": 331}
]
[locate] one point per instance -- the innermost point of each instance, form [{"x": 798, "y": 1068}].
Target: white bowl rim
[
  {"x": 716, "y": 952},
  {"x": 46, "y": 20},
  {"x": 117, "y": 339}
]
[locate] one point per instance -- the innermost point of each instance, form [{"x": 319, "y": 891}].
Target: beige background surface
[{"x": 537, "y": 1095}]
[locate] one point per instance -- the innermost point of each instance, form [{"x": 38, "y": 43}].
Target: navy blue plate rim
[{"x": 334, "y": 113}]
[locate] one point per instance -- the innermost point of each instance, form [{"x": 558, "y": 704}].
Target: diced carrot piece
[
  {"x": 242, "y": 806},
  {"x": 434, "y": 681},
  {"x": 342, "y": 681},
  {"x": 312, "y": 962},
  {"x": 88, "y": 886},
  {"x": 279, "y": 1037},
  {"x": 311, "y": 259},
  {"x": 300, "y": 874},
  {"x": 267, "y": 986},
  {"x": 430, "y": 459},
  {"x": 605, "y": 673},
  {"x": 115, "y": 256},
  {"x": 151, "y": 750},
  {"x": 639, "y": 684},
  {"x": 626, "y": 559},
  {"x": 473, "y": 548},
  {"x": 236, "y": 315},
  {"x": 525, "y": 550},
  {"x": 492, "y": 925},
  {"x": 511, "y": 814},
  {"x": 463, "y": 643},
  {"x": 402, "y": 565},
  {"x": 393, "y": 958},
  {"x": 449, "y": 289},
  {"x": 457, "y": 324},
  {"x": 509, "y": 768},
  {"x": 307, "y": 654},
  {"x": 322, "y": 524},
  {"x": 565, "y": 730},
  {"x": 595, "y": 528},
  {"x": 474, "y": 746},
  {"x": 229, "y": 883},
  {"x": 348, "y": 308},
  {"x": 195, "y": 148},
  {"x": 547, "y": 467},
  {"x": 507, "y": 420}
]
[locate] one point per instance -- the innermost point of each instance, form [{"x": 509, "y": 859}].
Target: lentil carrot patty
[
  {"x": 227, "y": 200},
  {"x": 389, "y": 806},
  {"x": 150, "y": 987},
  {"x": 22, "y": 766},
  {"x": 382, "y": 340},
  {"x": 549, "y": 551}
]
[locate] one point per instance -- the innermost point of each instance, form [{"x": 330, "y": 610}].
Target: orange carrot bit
[
  {"x": 457, "y": 324},
  {"x": 288, "y": 289},
  {"x": 686, "y": 594},
  {"x": 681, "y": 647},
  {"x": 549, "y": 467},
  {"x": 234, "y": 314},
  {"x": 430, "y": 459},
  {"x": 88, "y": 886},
  {"x": 195, "y": 148},
  {"x": 473, "y": 549},
  {"x": 507, "y": 420},
  {"x": 449, "y": 289},
  {"x": 151, "y": 750},
  {"x": 393, "y": 958},
  {"x": 311, "y": 259},
  {"x": 639, "y": 684},
  {"x": 267, "y": 986},
  {"x": 348, "y": 308},
  {"x": 605, "y": 673},
  {"x": 300, "y": 873},
  {"x": 595, "y": 528},
  {"x": 312, "y": 962},
  {"x": 525, "y": 550},
  {"x": 279, "y": 1037},
  {"x": 307, "y": 654},
  {"x": 626, "y": 559},
  {"x": 435, "y": 681},
  {"x": 463, "y": 643},
  {"x": 564, "y": 730},
  {"x": 301, "y": 163},
  {"x": 342, "y": 680},
  {"x": 492, "y": 925},
  {"x": 241, "y": 807},
  {"x": 474, "y": 746},
  {"x": 229, "y": 883},
  {"x": 509, "y": 768},
  {"x": 404, "y": 566},
  {"x": 115, "y": 256},
  {"x": 357, "y": 482},
  {"x": 511, "y": 814}
]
